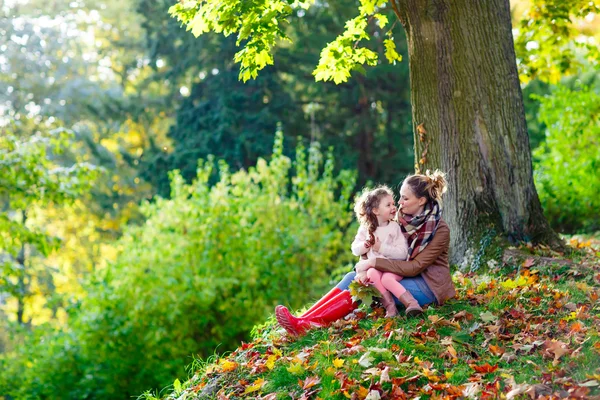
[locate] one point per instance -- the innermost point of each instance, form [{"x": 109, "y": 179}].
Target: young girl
[{"x": 381, "y": 237}]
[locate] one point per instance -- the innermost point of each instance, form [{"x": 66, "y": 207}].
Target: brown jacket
[{"x": 431, "y": 263}]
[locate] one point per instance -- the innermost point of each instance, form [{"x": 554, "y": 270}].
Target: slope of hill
[{"x": 527, "y": 327}]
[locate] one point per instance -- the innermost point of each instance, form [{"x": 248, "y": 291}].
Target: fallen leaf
[
  {"x": 496, "y": 350},
  {"x": 373, "y": 395},
  {"x": 589, "y": 383},
  {"x": 528, "y": 262},
  {"x": 431, "y": 375},
  {"x": 471, "y": 389},
  {"x": 557, "y": 348},
  {"x": 485, "y": 368},
  {"x": 271, "y": 361},
  {"x": 488, "y": 317},
  {"x": 385, "y": 375},
  {"x": 228, "y": 366},
  {"x": 338, "y": 362},
  {"x": 362, "y": 392},
  {"x": 255, "y": 386},
  {"x": 310, "y": 382},
  {"x": 366, "y": 360},
  {"x": 296, "y": 369}
]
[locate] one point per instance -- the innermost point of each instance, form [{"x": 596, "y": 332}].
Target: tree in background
[
  {"x": 367, "y": 120},
  {"x": 32, "y": 178},
  {"x": 468, "y": 111}
]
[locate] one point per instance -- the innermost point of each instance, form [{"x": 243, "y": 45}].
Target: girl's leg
[
  {"x": 390, "y": 282},
  {"x": 388, "y": 301}
]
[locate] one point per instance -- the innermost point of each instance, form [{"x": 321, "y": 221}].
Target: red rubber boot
[
  {"x": 335, "y": 308},
  {"x": 332, "y": 293}
]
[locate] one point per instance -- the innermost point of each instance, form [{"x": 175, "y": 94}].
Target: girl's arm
[
  {"x": 439, "y": 244},
  {"x": 359, "y": 246},
  {"x": 398, "y": 248}
]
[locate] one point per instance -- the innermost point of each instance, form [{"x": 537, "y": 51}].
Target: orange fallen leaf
[
  {"x": 310, "y": 382},
  {"x": 485, "y": 368},
  {"x": 496, "y": 350},
  {"x": 576, "y": 327},
  {"x": 362, "y": 392},
  {"x": 228, "y": 366}
]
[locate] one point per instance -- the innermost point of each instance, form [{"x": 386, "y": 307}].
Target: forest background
[{"x": 146, "y": 193}]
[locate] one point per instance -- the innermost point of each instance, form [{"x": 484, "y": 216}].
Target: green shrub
[
  {"x": 567, "y": 163},
  {"x": 207, "y": 265}
]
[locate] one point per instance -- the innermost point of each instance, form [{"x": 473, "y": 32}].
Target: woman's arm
[
  {"x": 358, "y": 245},
  {"x": 440, "y": 242}
]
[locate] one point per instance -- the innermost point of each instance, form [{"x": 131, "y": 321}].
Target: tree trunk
[{"x": 469, "y": 118}]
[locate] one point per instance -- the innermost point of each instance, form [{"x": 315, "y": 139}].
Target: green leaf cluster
[
  {"x": 258, "y": 23},
  {"x": 566, "y": 164},
  {"x": 32, "y": 177},
  {"x": 205, "y": 267},
  {"x": 550, "y": 41}
]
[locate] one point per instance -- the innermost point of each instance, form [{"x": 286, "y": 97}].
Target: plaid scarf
[{"x": 419, "y": 229}]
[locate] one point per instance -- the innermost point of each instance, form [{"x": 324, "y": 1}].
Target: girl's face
[
  {"x": 386, "y": 211},
  {"x": 409, "y": 203}
]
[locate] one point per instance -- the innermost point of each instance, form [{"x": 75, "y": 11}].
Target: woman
[{"x": 426, "y": 273}]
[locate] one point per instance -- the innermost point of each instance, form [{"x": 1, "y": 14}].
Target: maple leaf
[
  {"x": 488, "y": 317},
  {"x": 485, "y": 368},
  {"x": 528, "y": 262},
  {"x": 259, "y": 383},
  {"x": 496, "y": 350},
  {"x": 362, "y": 392},
  {"x": 271, "y": 361},
  {"x": 471, "y": 390},
  {"x": 296, "y": 369},
  {"x": 385, "y": 375},
  {"x": 431, "y": 375},
  {"x": 463, "y": 314},
  {"x": 310, "y": 382},
  {"x": 338, "y": 362},
  {"x": 373, "y": 395},
  {"x": 366, "y": 359},
  {"x": 228, "y": 366},
  {"x": 557, "y": 348}
]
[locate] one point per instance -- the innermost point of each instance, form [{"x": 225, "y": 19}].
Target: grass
[{"x": 521, "y": 331}]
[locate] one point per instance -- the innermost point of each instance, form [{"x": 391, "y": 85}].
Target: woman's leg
[{"x": 419, "y": 289}]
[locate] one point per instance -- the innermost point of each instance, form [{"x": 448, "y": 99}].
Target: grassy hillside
[{"x": 525, "y": 328}]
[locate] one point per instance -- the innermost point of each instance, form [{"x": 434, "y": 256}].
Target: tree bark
[{"x": 469, "y": 118}]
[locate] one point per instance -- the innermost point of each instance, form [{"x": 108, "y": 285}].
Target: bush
[
  {"x": 207, "y": 265},
  {"x": 566, "y": 164}
]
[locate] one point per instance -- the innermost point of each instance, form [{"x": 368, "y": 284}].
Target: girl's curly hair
[{"x": 368, "y": 200}]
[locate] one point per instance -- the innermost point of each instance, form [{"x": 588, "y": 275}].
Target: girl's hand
[
  {"x": 367, "y": 244},
  {"x": 365, "y": 281},
  {"x": 377, "y": 244}
]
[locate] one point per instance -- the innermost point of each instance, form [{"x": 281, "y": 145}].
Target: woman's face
[{"x": 409, "y": 203}]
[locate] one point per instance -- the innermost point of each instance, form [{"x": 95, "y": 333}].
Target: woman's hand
[{"x": 377, "y": 244}]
